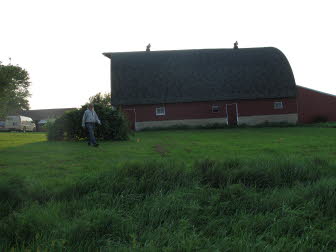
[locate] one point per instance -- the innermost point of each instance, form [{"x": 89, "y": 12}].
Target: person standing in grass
[{"x": 90, "y": 118}]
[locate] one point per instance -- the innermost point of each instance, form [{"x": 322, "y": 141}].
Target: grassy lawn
[
  {"x": 265, "y": 189},
  {"x": 31, "y": 155}
]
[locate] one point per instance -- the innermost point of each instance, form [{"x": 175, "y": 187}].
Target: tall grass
[{"x": 232, "y": 205}]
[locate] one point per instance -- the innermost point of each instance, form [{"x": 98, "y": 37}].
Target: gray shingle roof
[{"x": 200, "y": 75}]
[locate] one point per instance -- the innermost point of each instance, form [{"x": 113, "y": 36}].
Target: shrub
[{"x": 69, "y": 126}]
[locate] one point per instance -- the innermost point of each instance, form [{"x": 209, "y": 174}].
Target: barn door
[
  {"x": 130, "y": 115},
  {"x": 231, "y": 113}
]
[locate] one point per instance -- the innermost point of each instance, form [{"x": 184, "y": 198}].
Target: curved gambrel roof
[{"x": 200, "y": 75}]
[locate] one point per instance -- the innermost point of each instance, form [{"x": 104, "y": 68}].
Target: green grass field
[{"x": 225, "y": 189}]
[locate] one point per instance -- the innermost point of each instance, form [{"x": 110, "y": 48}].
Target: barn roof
[{"x": 200, "y": 75}]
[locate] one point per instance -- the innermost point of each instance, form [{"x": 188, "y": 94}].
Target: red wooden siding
[
  {"x": 130, "y": 114},
  {"x": 266, "y": 107},
  {"x": 313, "y": 104},
  {"x": 203, "y": 110}
]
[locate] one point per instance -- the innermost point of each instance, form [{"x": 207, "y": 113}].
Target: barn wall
[
  {"x": 313, "y": 104},
  {"x": 201, "y": 112},
  {"x": 266, "y": 107}
]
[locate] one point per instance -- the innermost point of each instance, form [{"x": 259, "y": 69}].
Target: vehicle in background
[
  {"x": 42, "y": 125},
  {"x": 2, "y": 125},
  {"x": 19, "y": 123}
]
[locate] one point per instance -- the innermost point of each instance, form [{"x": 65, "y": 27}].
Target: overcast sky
[{"x": 61, "y": 43}]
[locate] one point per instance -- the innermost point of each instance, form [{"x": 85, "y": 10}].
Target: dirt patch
[
  {"x": 161, "y": 149},
  {"x": 187, "y": 150}
]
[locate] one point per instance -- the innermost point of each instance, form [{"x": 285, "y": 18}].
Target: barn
[{"x": 200, "y": 87}]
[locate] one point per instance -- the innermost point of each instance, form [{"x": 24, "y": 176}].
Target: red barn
[
  {"x": 315, "y": 106},
  {"x": 200, "y": 87}
]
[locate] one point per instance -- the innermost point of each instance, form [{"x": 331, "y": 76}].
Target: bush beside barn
[{"x": 69, "y": 126}]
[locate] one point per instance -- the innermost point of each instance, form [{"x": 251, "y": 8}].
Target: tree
[
  {"x": 14, "y": 93},
  {"x": 102, "y": 99}
]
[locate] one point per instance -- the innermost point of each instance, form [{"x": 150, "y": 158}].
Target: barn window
[
  {"x": 160, "y": 111},
  {"x": 215, "y": 109},
  {"x": 278, "y": 105}
]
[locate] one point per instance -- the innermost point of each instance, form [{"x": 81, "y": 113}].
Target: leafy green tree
[
  {"x": 101, "y": 99},
  {"x": 14, "y": 93}
]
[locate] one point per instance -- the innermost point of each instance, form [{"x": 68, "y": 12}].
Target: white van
[{"x": 20, "y": 123}]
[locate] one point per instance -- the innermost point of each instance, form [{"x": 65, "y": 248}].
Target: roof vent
[
  {"x": 235, "y": 45},
  {"x": 148, "y": 47}
]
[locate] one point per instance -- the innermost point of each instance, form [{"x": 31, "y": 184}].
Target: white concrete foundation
[
  {"x": 186, "y": 122},
  {"x": 242, "y": 120},
  {"x": 260, "y": 119}
]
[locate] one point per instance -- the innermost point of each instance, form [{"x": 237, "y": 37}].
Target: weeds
[
  {"x": 262, "y": 174},
  {"x": 236, "y": 204}
]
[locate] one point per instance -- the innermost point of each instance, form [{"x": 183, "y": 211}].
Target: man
[{"x": 89, "y": 119}]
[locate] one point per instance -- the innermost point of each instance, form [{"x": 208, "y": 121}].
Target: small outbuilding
[
  {"x": 200, "y": 87},
  {"x": 42, "y": 116},
  {"x": 315, "y": 106}
]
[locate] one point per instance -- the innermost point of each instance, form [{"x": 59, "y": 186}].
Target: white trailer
[{"x": 19, "y": 123}]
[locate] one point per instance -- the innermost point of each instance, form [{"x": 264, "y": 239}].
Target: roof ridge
[{"x": 191, "y": 50}]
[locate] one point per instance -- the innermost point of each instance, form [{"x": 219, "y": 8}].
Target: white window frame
[
  {"x": 160, "y": 113},
  {"x": 278, "y": 105},
  {"x": 215, "y": 106}
]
